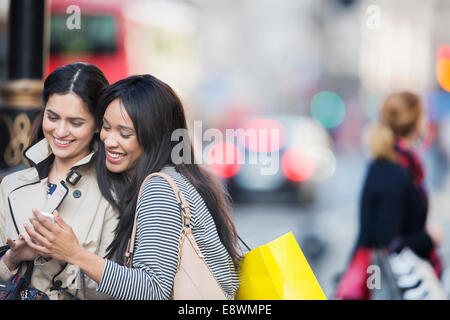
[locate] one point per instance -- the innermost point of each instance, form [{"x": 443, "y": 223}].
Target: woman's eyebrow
[
  {"x": 70, "y": 118},
  {"x": 76, "y": 118},
  {"x": 120, "y": 126},
  {"x": 52, "y": 112},
  {"x": 126, "y": 128}
]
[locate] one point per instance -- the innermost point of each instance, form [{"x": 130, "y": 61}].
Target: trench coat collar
[{"x": 40, "y": 154}]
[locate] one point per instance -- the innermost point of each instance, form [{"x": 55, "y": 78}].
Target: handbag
[
  {"x": 278, "y": 270},
  {"x": 19, "y": 289},
  {"x": 193, "y": 279},
  {"x": 353, "y": 284},
  {"x": 415, "y": 277}
]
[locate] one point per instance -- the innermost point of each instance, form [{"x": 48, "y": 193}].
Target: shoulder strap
[
  {"x": 182, "y": 203},
  {"x": 3, "y": 249}
]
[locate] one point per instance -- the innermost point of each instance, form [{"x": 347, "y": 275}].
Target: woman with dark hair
[
  {"x": 138, "y": 116},
  {"x": 63, "y": 177}
]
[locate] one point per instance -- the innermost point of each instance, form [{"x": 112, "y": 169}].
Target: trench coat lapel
[
  {"x": 32, "y": 193},
  {"x": 34, "y": 196}
]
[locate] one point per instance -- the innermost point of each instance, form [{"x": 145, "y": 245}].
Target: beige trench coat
[{"x": 79, "y": 204}]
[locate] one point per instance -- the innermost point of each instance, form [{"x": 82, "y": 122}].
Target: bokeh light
[
  {"x": 328, "y": 109},
  {"x": 443, "y": 52},
  {"x": 297, "y": 165},
  {"x": 224, "y": 159},
  {"x": 325, "y": 162},
  {"x": 262, "y": 135},
  {"x": 443, "y": 73}
]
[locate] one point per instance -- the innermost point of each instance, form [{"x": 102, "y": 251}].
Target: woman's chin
[
  {"x": 113, "y": 168},
  {"x": 62, "y": 154}
]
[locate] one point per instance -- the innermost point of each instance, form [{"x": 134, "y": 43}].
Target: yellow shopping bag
[{"x": 278, "y": 271}]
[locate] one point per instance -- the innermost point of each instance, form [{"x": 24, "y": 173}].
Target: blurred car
[{"x": 277, "y": 158}]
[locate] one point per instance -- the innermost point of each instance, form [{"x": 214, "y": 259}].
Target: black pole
[
  {"x": 21, "y": 93},
  {"x": 26, "y": 41}
]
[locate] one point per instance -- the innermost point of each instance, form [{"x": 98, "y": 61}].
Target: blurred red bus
[{"x": 100, "y": 39}]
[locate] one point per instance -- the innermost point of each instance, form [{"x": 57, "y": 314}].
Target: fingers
[
  {"x": 11, "y": 243},
  {"x": 15, "y": 244},
  {"x": 44, "y": 221},
  {"x": 35, "y": 236},
  {"x": 24, "y": 237},
  {"x": 40, "y": 228},
  {"x": 59, "y": 221},
  {"x": 36, "y": 247}
]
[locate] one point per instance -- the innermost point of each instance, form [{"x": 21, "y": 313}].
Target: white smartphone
[{"x": 47, "y": 215}]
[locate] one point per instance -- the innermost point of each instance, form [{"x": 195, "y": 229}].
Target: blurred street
[
  {"x": 297, "y": 81},
  {"x": 332, "y": 221},
  {"x": 326, "y": 233}
]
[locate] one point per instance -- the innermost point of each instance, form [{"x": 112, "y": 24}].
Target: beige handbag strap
[{"x": 184, "y": 207}]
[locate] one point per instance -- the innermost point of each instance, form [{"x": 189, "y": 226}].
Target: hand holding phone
[{"x": 48, "y": 216}]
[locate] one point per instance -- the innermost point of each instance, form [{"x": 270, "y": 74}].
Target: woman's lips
[
  {"x": 62, "y": 143},
  {"x": 114, "y": 157}
]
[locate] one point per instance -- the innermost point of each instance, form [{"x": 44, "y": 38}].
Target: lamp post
[{"x": 20, "y": 94}]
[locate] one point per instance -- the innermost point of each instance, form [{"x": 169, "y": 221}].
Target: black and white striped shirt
[{"x": 157, "y": 237}]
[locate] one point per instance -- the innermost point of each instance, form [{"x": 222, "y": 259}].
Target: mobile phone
[{"x": 48, "y": 216}]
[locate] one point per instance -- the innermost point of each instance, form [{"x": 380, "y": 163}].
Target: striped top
[{"x": 158, "y": 232}]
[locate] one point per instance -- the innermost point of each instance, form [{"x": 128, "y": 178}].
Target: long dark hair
[
  {"x": 156, "y": 112},
  {"x": 83, "y": 79}
]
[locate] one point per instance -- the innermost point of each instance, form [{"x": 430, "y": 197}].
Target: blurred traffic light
[{"x": 443, "y": 67}]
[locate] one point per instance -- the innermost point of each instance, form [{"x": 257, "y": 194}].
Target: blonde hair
[
  {"x": 381, "y": 142},
  {"x": 398, "y": 118}
]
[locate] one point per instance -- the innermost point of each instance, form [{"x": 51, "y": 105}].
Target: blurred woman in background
[{"x": 394, "y": 202}]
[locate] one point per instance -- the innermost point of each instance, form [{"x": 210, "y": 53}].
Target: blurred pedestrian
[
  {"x": 139, "y": 116},
  {"x": 394, "y": 202}
]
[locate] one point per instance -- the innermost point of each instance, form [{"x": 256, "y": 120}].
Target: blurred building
[
  {"x": 4, "y": 6},
  {"x": 260, "y": 54}
]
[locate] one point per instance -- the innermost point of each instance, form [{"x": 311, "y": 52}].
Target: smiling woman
[
  {"x": 63, "y": 177},
  {"x": 69, "y": 131},
  {"x": 121, "y": 145}
]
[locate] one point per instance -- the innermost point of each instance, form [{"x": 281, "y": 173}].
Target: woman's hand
[
  {"x": 53, "y": 239},
  {"x": 19, "y": 251},
  {"x": 60, "y": 242}
]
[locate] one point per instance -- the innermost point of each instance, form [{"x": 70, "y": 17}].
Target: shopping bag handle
[{"x": 248, "y": 248}]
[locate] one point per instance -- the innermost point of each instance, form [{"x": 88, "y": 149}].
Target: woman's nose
[
  {"x": 61, "y": 129},
  {"x": 110, "y": 141}
]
